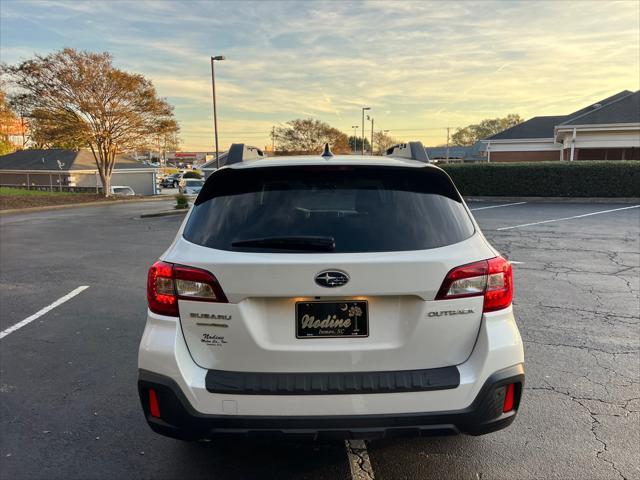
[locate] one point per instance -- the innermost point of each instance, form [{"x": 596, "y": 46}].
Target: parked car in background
[
  {"x": 171, "y": 181},
  {"x": 191, "y": 186},
  {"x": 122, "y": 190}
]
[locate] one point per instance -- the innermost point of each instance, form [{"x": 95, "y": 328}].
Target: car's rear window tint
[{"x": 364, "y": 208}]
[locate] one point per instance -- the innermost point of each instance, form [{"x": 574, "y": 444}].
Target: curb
[
  {"x": 44, "y": 208},
  {"x": 165, "y": 214},
  {"x": 554, "y": 199}
]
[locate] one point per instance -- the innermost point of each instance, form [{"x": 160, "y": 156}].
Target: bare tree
[
  {"x": 309, "y": 135},
  {"x": 382, "y": 141},
  {"x": 78, "y": 98},
  {"x": 165, "y": 138}
]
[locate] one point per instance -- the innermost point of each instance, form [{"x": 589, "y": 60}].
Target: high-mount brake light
[
  {"x": 166, "y": 283},
  {"x": 491, "y": 278}
]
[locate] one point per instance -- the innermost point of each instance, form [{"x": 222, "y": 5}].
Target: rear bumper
[{"x": 179, "y": 419}]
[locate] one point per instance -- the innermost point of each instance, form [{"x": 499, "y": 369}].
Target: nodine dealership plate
[{"x": 332, "y": 319}]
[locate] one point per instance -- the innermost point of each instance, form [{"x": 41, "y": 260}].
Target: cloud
[{"x": 420, "y": 66}]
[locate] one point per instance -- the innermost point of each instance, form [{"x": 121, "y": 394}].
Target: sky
[{"x": 421, "y": 66}]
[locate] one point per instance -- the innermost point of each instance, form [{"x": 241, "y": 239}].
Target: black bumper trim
[
  {"x": 338, "y": 383},
  {"x": 181, "y": 420}
]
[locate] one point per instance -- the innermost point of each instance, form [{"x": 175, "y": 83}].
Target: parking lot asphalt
[{"x": 68, "y": 399}]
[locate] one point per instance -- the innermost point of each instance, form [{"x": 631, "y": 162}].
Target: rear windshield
[
  {"x": 361, "y": 208},
  {"x": 194, "y": 183}
]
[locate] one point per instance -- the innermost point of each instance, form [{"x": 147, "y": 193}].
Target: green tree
[
  {"x": 191, "y": 174},
  {"x": 79, "y": 98},
  {"x": 357, "y": 141},
  {"x": 308, "y": 135},
  {"x": 471, "y": 134}
]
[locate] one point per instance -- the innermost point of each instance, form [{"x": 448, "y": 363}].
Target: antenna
[{"x": 327, "y": 152}]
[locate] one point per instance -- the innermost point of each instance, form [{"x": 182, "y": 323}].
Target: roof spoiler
[
  {"x": 239, "y": 152},
  {"x": 411, "y": 150}
]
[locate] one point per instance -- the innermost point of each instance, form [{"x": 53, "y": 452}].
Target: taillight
[
  {"x": 491, "y": 278},
  {"x": 161, "y": 291},
  {"x": 166, "y": 283},
  {"x": 499, "y": 291}
]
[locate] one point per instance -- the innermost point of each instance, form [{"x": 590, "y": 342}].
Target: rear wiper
[{"x": 306, "y": 243}]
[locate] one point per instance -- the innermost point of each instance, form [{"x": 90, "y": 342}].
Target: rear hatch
[{"x": 329, "y": 269}]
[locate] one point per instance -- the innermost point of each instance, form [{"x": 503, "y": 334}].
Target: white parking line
[
  {"x": 568, "y": 218},
  {"x": 359, "y": 462},
  {"x": 39, "y": 313},
  {"x": 497, "y": 206}
]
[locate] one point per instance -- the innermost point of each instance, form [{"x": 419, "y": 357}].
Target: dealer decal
[{"x": 213, "y": 340}]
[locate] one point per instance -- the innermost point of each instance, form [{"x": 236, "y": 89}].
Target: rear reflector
[
  {"x": 166, "y": 283},
  {"x": 491, "y": 278},
  {"x": 154, "y": 407},
  {"x": 508, "y": 398}
]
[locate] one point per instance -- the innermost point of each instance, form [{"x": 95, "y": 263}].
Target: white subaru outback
[{"x": 330, "y": 296}]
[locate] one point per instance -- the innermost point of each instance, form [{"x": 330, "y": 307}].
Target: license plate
[{"x": 332, "y": 319}]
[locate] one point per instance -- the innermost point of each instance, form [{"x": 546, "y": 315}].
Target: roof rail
[
  {"x": 411, "y": 150},
  {"x": 239, "y": 152}
]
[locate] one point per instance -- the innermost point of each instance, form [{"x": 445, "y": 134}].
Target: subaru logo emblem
[{"x": 331, "y": 278}]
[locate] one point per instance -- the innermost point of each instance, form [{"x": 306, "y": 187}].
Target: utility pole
[
  {"x": 371, "y": 136},
  {"x": 273, "y": 139},
  {"x": 363, "y": 109},
  {"x": 215, "y": 115},
  {"x": 355, "y": 138},
  {"x": 447, "y": 145}
]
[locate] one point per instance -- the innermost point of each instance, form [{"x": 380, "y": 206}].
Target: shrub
[
  {"x": 548, "y": 179},
  {"x": 192, "y": 174},
  {"x": 182, "y": 201}
]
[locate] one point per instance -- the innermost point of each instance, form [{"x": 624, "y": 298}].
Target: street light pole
[
  {"x": 215, "y": 113},
  {"x": 447, "y": 160},
  {"x": 363, "y": 109},
  {"x": 355, "y": 137}
]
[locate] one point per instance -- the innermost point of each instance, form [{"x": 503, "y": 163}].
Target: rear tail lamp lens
[
  {"x": 161, "y": 295},
  {"x": 499, "y": 293},
  {"x": 166, "y": 283},
  {"x": 491, "y": 278}
]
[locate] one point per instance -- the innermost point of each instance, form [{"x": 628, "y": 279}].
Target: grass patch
[
  {"x": 16, "y": 198},
  {"x": 21, "y": 192}
]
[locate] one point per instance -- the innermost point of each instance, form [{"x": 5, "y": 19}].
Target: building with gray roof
[
  {"x": 606, "y": 130},
  {"x": 57, "y": 169}
]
